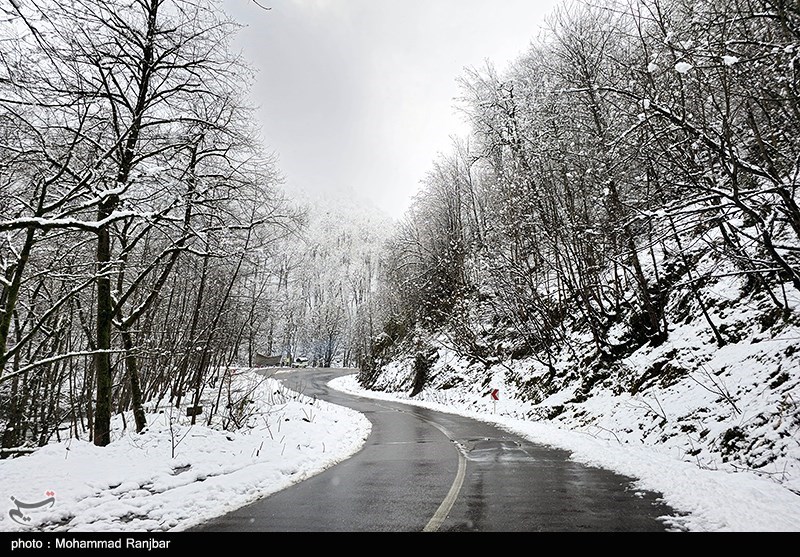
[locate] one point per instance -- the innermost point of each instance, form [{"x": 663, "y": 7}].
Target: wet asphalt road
[{"x": 425, "y": 471}]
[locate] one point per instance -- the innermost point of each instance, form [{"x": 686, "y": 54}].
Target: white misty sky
[{"x": 357, "y": 97}]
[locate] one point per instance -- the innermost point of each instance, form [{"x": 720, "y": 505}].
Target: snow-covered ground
[
  {"x": 176, "y": 475},
  {"x": 713, "y": 500},
  {"x": 713, "y": 426}
]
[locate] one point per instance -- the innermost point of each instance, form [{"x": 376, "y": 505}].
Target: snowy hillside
[
  {"x": 734, "y": 407},
  {"x": 615, "y": 244}
]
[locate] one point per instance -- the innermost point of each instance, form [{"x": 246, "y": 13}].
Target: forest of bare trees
[
  {"x": 145, "y": 239},
  {"x": 147, "y": 246},
  {"x": 325, "y": 306},
  {"x": 630, "y": 140}
]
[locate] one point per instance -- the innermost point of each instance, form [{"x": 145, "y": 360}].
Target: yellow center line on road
[
  {"x": 444, "y": 509},
  {"x": 447, "y": 505}
]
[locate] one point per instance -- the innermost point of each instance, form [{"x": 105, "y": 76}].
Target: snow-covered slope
[{"x": 734, "y": 407}]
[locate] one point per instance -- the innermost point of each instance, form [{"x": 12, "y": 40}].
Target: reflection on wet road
[{"x": 423, "y": 470}]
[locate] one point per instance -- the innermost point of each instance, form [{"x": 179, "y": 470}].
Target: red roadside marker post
[{"x": 495, "y": 398}]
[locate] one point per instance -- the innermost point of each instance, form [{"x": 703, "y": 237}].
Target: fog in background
[{"x": 357, "y": 97}]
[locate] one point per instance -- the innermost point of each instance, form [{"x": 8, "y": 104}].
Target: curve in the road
[
  {"x": 447, "y": 505},
  {"x": 427, "y": 471}
]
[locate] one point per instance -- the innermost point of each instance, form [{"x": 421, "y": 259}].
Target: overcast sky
[{"x": 357, "y": 97}]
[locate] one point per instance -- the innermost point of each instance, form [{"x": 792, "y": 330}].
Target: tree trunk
[
  {"x": 105, "y": 309},
  {"x": 136, "y": 388}
]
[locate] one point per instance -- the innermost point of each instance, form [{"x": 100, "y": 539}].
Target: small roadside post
[{"x": 495, "y": 398}]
